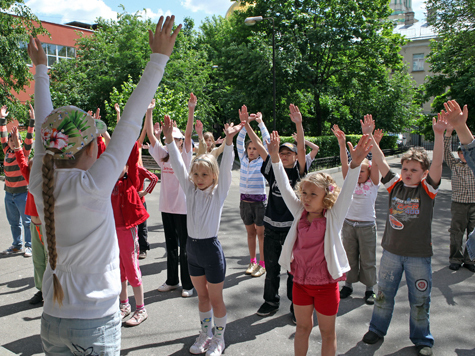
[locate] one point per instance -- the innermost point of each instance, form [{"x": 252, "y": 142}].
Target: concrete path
[{"x": 173, "y": 322}]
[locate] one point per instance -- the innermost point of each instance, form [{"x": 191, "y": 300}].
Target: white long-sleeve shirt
[
  {"x": 86, "y": 240},
  {"x": 204, "y": 207}
]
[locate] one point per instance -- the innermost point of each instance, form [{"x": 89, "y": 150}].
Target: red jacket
[
  {"x": 126, "y": 203},
  {"x": 30, "y": 208}
]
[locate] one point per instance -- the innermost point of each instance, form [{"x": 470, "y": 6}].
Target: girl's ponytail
[{"x": 48, "y": 199}]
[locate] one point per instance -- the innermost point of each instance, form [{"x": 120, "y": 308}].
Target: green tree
[{"x": 17, "y": 22}]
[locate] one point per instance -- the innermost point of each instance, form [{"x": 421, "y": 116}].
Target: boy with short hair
[
  {"x": 407, "y": 245},
  {"x": 463, "y": 204}
]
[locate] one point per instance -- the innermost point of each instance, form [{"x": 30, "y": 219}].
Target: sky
[{"x": 63, "y": 11}]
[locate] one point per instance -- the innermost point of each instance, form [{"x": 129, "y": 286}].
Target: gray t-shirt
[{"x": 408, "y": 225}]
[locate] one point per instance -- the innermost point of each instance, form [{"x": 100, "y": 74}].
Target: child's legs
[
  {"x": 20, "y": 201},
  {"x": 251, "y": 240},
  {"x": 171, "y": 241},
  {"x": 143, "y": 234},
  {"x": 123, "y": 292},
  {"x": 326, "y": 324},
  {"x": 129, "y": 262},
  {"x": 470, "y": 228},
  {"x": 419, "y": 284},
  {"x": 352, "y": 248},
  {"x": 260, "y": 238},
  {"x": 40, "y": 255},
  {"x": 273, "y": 242},
  {"x": 457, "y": 229},
  {"x": 138, "y": 295},
  {"x": 390, "y": 274},
  {"x": 367, "y": 243},
  {"x": 182, "y": 232},
  {"x": 210, "y": 296},
  {"x": 304, "y": 317},
  {"x": 13, "y": 217}
]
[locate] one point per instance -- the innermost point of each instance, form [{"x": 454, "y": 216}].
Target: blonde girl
[
  {"x": 206, "y": 187},
  {"x": 81, "y": 284},
  {"x": 313, "y": 251},
  {"x": 207, "y": 144}
]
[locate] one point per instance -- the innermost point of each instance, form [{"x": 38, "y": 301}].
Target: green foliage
[{"x": 14, "y": 70}]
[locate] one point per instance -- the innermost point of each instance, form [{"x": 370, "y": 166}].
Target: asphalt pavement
[{"x": 173, "y": 321}]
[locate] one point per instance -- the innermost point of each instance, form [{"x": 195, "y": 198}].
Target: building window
[
  {"x": 56, "y": 53},
  {"x": 418, "y": 62}
]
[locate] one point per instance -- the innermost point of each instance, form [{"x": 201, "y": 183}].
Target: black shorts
[
  {"x": 252, "y": 213},
  {"x": 206, "y": 258}
]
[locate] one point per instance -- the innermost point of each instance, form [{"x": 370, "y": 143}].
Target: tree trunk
[{"x": 318, "y": 115}]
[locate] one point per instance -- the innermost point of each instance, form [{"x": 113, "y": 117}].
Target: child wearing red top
[
  {"x": 129, "y": 212},
  {"x": 144, "y": 246}
]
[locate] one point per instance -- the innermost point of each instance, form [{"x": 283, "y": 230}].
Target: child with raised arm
[
  {"x": 172, "y": 202},
  {"x": 207, "y": 144},
  {"x": 313, "y": 250},
  {"x": 206, "y": 187},
  {"x": 309, "y": 157},
  {"x": 72, "y": 190},
  {"x": 252, "y": 187},
  {"x": 359, "y": 228},
  {"x": 407, "y": 239}
]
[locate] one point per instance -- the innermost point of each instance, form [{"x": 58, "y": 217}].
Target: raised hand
[
  {"x": 294, "y": 136},
  {"x": 243, "y": 115},
  {"x": 199, "y": 128},
  {"x": 167, "y": 127},
  {"x": 15, "y": 140},
  {"x": 295, "y": 114},
  {"x": 219, "y": 140},
  {"x": 367, "y": 126},
  {"x": 192, "y": 101},
  {"x": 230, "y": 130},
  {"x": 174, "y": 123},
  {"x": 259, "y": 117},
  {"x": 449, "y": 130},
  {"x": 157, "y": 130},
  {"x": 360, "y": 152},
  {"x": 36, "y": 52},
  {"x": 340, "y": 135},
  {"x": 117, "y": 108},
  {"x": 455, "y": 116},
  {"x": 97, "y": 115},
  {"x": 378, "y": 135},
  {"x": 151, "y": 106},
  {"x": 31, "y": 111},
  {"x": 273, "y": 146},
  {"x": 440, "y": 124},
  {"x": 3, "y": 111},
  {"x": 163, "y": 40}
]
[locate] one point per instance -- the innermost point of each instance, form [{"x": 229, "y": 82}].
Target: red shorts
[
  {"x": 129, "y": 256},
  {"x": 325, "y": 298}
]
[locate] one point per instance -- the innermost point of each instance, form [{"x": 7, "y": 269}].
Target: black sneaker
[
  {"x": 455, "y": 266},
  {"x": 369, "y": 297},
  {"x": 345, "y": 292},
  {"x": 292, "y": 314},
  {"x": 470, "y": 267},
  {"x": 267, "y": 309},
  {"x": 371, "y": 338},
  {"x": 423, "y": 350},
  {"x": 37, "y": 298}
]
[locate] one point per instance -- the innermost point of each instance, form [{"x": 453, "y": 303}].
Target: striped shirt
[
  {"x": 463, "y": 180},
  {"x": 251, "y": 179},
  {"x": 14, "y": 181},
  {"x": 146, "y": 174}
]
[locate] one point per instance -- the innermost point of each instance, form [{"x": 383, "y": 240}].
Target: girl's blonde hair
[
  {"x": 49, "y": 201},
  {"x": 206, "y": 136},
  {"x": 208, "y": 161},
  {"x": 324, "y": 181}
]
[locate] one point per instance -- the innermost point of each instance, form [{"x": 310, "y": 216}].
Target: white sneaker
[
  {"x": 28, "y": 252},
  {"x": 216, "y": 347},
  {"x": 185, "y": 293},
  {"x": 201, "y": 344},
  {"x": 166, "y": 288}
]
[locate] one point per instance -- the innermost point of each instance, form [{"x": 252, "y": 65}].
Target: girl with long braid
[{"x": 81, "y": 284}]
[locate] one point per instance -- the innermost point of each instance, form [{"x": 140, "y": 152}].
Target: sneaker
[
  {"x": 37, "y": 298},
  {"x": 166, "y": 287},
  {"x": 216, "y": 347},
  {"x": 369, "y": 297},
  {"x": 125, "y": 310},
  {"x": 292, "y": 314},
  {"x": 11, "y": 250},
  {"x": 345, "y": 292},
  {"x": 371, "y": 338},
  {"x": 424, "y": 350},
  {"x": 142, "y": 255},
  {"x": 201, "y": 344},
  {"x": 28, "y": 252},
  {"x": 251, "y": 267},
  {"x": 259, "y": 271},
  {"x": 267, "y": 309},
  {"x": 185, "y": 293},
  {"x": 470, "y": 267},
  {"x": 455, "y": 266},
  {"x": 138, "y": 318}
]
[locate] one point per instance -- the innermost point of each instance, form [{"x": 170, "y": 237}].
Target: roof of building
[{"x": 417, "y": 31}]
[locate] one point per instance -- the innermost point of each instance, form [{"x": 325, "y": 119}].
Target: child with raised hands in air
[
  {"x": 72, "y": 190},
  {"x": 207, "y": 144},
  {"x": 206, "y": 187},
  {"x": 172, "y": 201},
  {"x": 309, "y": 157},
  {"x": 359, "y": 228},
  {"x": 407, "y": 239},
  {"x": 313, "y": 251},
  {"x": 252, "y": 187}
]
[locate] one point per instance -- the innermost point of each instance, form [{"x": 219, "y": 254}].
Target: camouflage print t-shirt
[{"x": 408, "y": 226}]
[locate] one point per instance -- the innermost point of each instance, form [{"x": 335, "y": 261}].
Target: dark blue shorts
[{"x": 206, "y": 258}]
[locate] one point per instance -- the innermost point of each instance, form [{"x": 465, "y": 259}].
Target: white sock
[
  {"x": 206, "y": 325},
  {"x": 219, "y": 326}
]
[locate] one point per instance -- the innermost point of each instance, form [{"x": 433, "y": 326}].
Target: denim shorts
[
  {"x": 206, "y": 258},
  {"x": 252, "y": 213},
  {"x": 81, "y": 336}
]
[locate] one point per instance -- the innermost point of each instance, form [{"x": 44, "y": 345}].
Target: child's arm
[
  {"x": 20, "y": 157},
  {"x": 151, "y": 177},
  {"x": 133, "y": 164},
  {"x": 264, "y": 133},
  {"x": 296, "y": 117},
  {"x": 202, "y": 148},
  {"x": 117, "y": 110},
  {"x": 340, "y": 135},
  {"x": 107, "y": 138},
  {"x": 218, "y": 150},
  {"x": 149, "y": 125},
  {"x": 367, "y": 128},
  {"x": 189, "y": 125},
  {"x": 244, "y": 117},
  {"x": 378, "y": 156},
  {"x": 314, "y": 149},
  {"x": 457, "y": 118},
  {"x": 439, "y": 126},
  {"x": 448, "y": 156},
  {"x": 241, "y": 138},
  {"x": 3, "y": 128},
  {"x": 378, "y": 135},
  {"x": 29, "y": 135}
]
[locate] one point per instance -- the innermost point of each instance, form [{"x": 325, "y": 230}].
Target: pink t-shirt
[{"x": 309, "y": 265}]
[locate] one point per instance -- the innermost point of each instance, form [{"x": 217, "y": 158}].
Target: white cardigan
[{"x": 335, "y": 254}]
